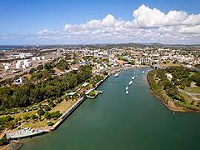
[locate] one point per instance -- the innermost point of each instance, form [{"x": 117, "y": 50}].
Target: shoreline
[
  {"x": 65, "y": 115},
  {"x": 171, "y": 108}
]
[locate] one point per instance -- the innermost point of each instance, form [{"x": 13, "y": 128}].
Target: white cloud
[
  {"x": 190, "y": 30},
  {"x": 147, "y": 17},
  {"x": 147, "y": 25}
]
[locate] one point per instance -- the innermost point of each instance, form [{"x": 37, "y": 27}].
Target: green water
[{"x": 115, "y": 121}]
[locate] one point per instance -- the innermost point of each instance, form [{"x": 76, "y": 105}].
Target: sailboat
[
  {"x": 133, "y": 76},
  {"x": 130, "y": 82},
  {"x": 116, "y": 75},
  {"x": 126, "y": 92}
]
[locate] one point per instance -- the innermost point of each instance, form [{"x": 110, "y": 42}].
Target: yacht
[
  {"x": 116, "y": 75},
  {"x": 130, "y": 82},
  {"x": 126, "y": 92},
  {"x": 133, "y": 76}
]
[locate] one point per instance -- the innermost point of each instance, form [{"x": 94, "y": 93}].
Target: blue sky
[{"x": 20, "y": 19}]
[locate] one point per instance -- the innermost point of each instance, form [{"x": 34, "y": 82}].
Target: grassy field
[
  {"x": 192, "y": 89},
  {"x": 169, "y": 64},
  {"x": 34, "y": 124},
  {"x": 197, "y": 96},
  {"x": 21, "y": 114},
  {"x": 187, "y": 98},
  {"x": 63, "y": 106}
]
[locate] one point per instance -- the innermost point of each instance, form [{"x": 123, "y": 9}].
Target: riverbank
[
  {"x": 138, "y": 118},
  {"x": 67, "y": 113},
  {"x": 167, "y": 101}
]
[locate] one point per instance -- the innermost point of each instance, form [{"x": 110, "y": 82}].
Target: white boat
[
  {"x": 130, "y": 82},
  {"x": 126, "y": 92},
  {"x": 127, "y": 88},
  {"x": 133, "y": 76},
  {"x": 142, "y": 72},
  {"x": 116, "y": 75}
]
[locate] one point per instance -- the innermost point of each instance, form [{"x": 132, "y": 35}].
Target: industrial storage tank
[
  {"x": 18, "y": 65},
  {"x": 26, "y": 63},
  {"x": 6, "y": 67},
  {"x": 34, "y": 58}
]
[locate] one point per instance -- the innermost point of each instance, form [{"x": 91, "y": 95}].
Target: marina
[{"x": 137, "y": 121}]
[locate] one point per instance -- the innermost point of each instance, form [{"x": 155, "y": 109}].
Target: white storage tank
[
  {"x": 34, "y": 58},
  {"x": 19, "y": 62},
  {"x": 23, "y": 66},
  {"x": 26, "y": 63},
  {"x": 18, "y": 65},
  {"x": 6, "y": 67}
]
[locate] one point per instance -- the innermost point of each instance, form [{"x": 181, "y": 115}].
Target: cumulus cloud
[
  {"x": 147, "y": 17},
  {"x": 147, "y": 25}
]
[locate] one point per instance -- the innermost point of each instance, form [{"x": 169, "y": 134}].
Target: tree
[
  {"x": 48, "y": 66},
  {"x": 40, "y": 112},
  {"x": 51, "y": 104},
  {"x": 26, "y": 117},
  {"x": 50, "y": 123},
  {"x": 32, "y": 71},
  {"x": 62, "y": 65},
  {"x": 33, "y": 117},
  {"x": 47, "y": 108},
  {"x": 40, "y": 67},
  {"x": 47, "y": 115},
  {"x": 55, "y": 115}
]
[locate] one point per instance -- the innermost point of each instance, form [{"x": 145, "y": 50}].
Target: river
[{"x": 116, "y": 121}]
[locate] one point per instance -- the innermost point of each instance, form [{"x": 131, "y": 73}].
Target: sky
[{"x": 28, "y": 22}]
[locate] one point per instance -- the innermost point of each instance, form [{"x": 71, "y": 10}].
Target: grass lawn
[
  {"x": 34, "y": 124},
  {"x": 21, "y": 114},
  {"x": 192, "y": 89},
  {"x": 197, "y": 96},
  {"x": 169, "y": 64},
  {"x": 63, "y": 106},
  {"x": 187, "y": 97}
]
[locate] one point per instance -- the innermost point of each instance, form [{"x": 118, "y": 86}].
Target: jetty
[{"x": 68, "y": 112}]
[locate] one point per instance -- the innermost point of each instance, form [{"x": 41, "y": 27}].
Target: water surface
[{"x": 116, "y": 121}]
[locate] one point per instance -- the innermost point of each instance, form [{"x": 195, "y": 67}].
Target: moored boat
[
  {"x": 116, "y": 75},
  {"x": 126, "y": 92}
]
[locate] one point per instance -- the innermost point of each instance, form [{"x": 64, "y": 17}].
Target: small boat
[
  {"x": 133, "y": 76},
  {"x": 127, "y": 88},
  {"x": 130, "y": 82},
  {"x": 126, "y": 92},
  {"x": 116, "y": 75},
  {"x": 142, "y": 72}
]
